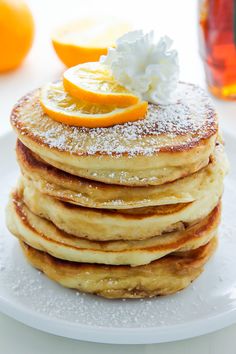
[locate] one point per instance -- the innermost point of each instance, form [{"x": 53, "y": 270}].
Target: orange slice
[
  {"x": 87, "y": 39},
  {"x": 93, "y": 82},
  {"x": 62, "y": 107}
]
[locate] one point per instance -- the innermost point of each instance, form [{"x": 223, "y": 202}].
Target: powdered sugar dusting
[
  {"x": 191, "y": 118},
  {"x": 24, "y": 288}
]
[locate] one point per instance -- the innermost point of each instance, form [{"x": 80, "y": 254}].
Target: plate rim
[{"x": 112, "y": 335}]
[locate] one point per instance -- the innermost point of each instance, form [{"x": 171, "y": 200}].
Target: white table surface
[{"x": 178, "y": 20}]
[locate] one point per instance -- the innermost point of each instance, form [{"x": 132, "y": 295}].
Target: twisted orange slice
[
  {"x": 95, "y": 83},
  {"x": 62, "y": 107}
]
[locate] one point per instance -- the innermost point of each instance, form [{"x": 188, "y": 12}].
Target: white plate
[{"x": 207, "y": 305}]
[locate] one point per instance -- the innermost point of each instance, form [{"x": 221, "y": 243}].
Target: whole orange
[{"x": 16, "y": 33}]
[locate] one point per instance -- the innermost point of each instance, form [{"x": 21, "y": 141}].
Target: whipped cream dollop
[{"x": 147, "y": 68}]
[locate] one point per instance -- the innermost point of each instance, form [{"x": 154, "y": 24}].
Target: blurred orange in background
[
  {"x": 16, "y": 33},
  {"x": 87, "y": 39}
]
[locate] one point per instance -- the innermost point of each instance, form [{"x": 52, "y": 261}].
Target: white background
[{"x": 178, "y": 19}]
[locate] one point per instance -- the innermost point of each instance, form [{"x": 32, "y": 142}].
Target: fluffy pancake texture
[
  {"x": 69, "y": 188},
  {"x": 129, "y": 211},
  {"x": 171, "y": 142},
  {"x": 45, "y": 236},
  {"x": 103, "y": 224},
  {"x": 162, "y": 277}
]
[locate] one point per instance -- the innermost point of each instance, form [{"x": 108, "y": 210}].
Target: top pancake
[{"x": 171, "y": 142}]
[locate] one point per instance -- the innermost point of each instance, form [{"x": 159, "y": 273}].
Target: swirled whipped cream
[{"x": 147, "y": 68}]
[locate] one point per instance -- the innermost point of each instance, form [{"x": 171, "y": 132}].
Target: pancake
[
  {"x": 172, "y": 141},
  {"x": 76, "y": 190},
  {"x": 165, "y": 276},
  {"x": 103, "y": 224},
  {"x": 45, "y": 236}
]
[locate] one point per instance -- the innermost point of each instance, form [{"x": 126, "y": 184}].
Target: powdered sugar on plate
[{"x": 29, "y": 296}]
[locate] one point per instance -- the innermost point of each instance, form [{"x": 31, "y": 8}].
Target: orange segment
[
  {"x": 87, "y": 39},
  {"x": 62, "y": 107},
  {"x": 93, "y": 82}
]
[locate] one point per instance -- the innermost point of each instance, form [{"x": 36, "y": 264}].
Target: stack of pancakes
[{"x": 127, "y": 211}]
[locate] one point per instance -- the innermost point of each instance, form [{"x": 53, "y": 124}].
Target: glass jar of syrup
[{"x": 217, "y": 22}]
